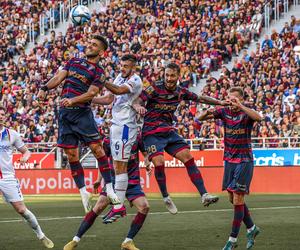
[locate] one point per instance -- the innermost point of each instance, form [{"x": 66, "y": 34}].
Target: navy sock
[
  {"x": 77, "y": 173},
  {"x": 247, "y": 218},
  {"x": 160, "y": 177},
  {"x": 87, "y": 222},
  {"x": 104, "y": 169},
  {"x": 195, "y": 176},
  {"x": 237, "y": 221},
  {"x": 136, "y": 225}
]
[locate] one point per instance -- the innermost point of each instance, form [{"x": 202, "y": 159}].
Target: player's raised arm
[
  {"x": 52, "y": 83},
  {"x": 206, "y": 115},
  {"x": 84, "y": 98},
  {"x": 253, "y": 114},
  {"x": 117, "y": 90},
  {"x": 104, "y": 100},
  {"x": 212, "y": 101}
]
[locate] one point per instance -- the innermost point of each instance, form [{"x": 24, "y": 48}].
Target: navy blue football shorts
[
  {"x": 237, "y": 177},
  {"x": 76, "y": 125},
  {"x": 170, "y": 142}
]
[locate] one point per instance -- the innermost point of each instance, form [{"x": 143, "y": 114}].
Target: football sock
[
  {"x": 33, "y": 223},
  {"x": 247, "y": 218},
  {"x": 87, "y": 222},
  {"x": 104, "y": 169},
  {"x": 77, "y": 173},
  {"x": 238, "y": 218},
  {"x": 195, "y": 176},
  {"x": 83, "y": 191},
  {"x": 121, "y": 187},
  {"x": 160, "y": 177},
  {"x": 136, "y": 225},
  {"x": 250, "y": 229}
]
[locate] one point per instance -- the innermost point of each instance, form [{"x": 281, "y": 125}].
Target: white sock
[
  {"x": 76, "y": 238},
  {"x": 127, "y": 239},
  {"x": 33, "y": 223},
  {"x": 121, "y": 188},
  {"x": 83, "y": 191},
  {"x": 165, "y": 199},
  {"x": 109, "y": 188},
  {"x": 250, "y": 229},
  {"x": 232, "y": 239}
]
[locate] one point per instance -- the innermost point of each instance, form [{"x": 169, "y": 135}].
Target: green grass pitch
[{"x": 194, "y": 228}]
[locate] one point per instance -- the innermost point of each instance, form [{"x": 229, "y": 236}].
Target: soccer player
[
  {"x": 238, "y": 122},
  {"x": 83, "y": 79},
  {"x": 123, "y": 133},
  {"x": 9, "y": 184},
  {"x": 158, "y": 103},
  {"x": 134, "y": 194}
]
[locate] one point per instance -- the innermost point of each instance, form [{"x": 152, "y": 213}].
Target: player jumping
[
  {"x": 123, "y": 132},
  {"x": 9, "y": 184},
  {"x": 162, "y": 99},
  {"x": 83, "y": 79},
  {"x": 134, "y": 194},
  {"x": 238, "y": 122}
]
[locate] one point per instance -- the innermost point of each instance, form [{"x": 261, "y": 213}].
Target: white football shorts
[
  {"x": 10, "y": 188},
  {"x": 122, "y": 139}
]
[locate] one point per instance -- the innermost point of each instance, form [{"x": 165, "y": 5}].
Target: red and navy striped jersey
[
  {"x": 81, "y": 75},
  {"x": 133, "y": 169},
  {"x": 237, "y": 135},
  {"x": 161, "y": 106}
]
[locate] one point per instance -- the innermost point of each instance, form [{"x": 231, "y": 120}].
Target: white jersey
[
  {"x": 122, "y": 111},
  {"x": 8, "y": 140}
]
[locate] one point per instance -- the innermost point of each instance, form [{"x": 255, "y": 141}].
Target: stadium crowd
[
  {"x": 199, "y": 35},
  {"x": 15, "y": 19}
]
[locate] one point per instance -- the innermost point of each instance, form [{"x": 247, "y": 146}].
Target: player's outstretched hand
[
  {"x": 22, "y": 160},
  {"x": 141, "y": 110},
  {"x": 65, "y": 102},
  {"x": 225, "y": 103},
  {"x": 41, "y": 95},
  {"x": 96, "y": 185},
  {"x": 235, "y": 102},
  {"x": 148, "y": 166}
]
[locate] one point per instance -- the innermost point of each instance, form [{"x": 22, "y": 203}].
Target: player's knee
[
  {"x": 20, "y": 209},
  {"x": 238, "y": 199},
  {"x": 144, "y": 208},
  {"x": 230, "y": 198}
]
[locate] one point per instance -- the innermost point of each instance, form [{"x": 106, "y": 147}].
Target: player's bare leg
[
  {"x": 241, "y": 214},
  {"x": 121, "y": 185},
  {"x": 105, "y": 171},
  {"x": 30, "y": 218},
  {"x": 187, "y": 159},
  {"x": 88, "y": 221},
  {"x": 78, "y": 176},
  {"x": 160, "y": 176},
  {"x": 142, "y": 207}
]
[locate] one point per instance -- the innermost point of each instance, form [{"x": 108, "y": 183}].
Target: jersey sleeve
[
  {"x": 16, "y": 140},
  {"x": 134, "y": 84},
  {"x": 218, "y": 113},
  {"x": 187, "y": 95},
  {"x": 147, "y": 93},
  {"x": 100, "y": 78}
]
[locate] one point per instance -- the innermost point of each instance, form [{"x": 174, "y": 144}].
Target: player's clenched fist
[{"x": 66, "y": 102}]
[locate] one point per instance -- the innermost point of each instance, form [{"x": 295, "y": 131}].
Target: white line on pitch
[{"x": 158, "y": 213}]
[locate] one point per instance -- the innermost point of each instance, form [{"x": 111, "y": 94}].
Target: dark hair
[
  {"x": 173, "y": 66},
  {"x": 129, "y": 57},
  {"x": 102, "y": 39},
  {"x": 237, "y": 89}
]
